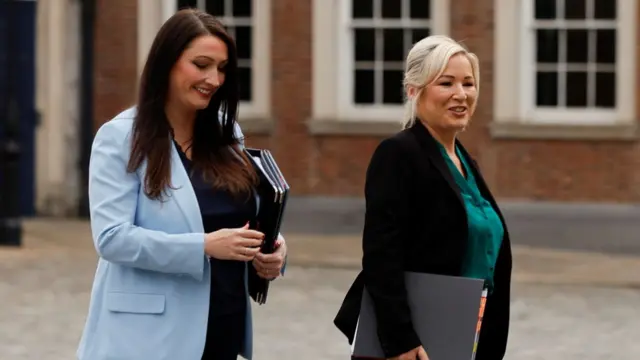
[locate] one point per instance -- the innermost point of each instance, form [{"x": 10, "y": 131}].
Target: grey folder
[{"x": 444, "y": 311}]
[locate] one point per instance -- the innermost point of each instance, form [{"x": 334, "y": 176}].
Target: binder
[
  {"x": 446, "y": 312},
  {"x": 273, "y": 191}
]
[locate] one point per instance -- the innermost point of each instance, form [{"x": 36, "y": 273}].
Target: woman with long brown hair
[{"x": 171, "y": 194}]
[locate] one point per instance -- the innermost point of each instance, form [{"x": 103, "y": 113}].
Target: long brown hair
[{"x": 215, "y": 149}]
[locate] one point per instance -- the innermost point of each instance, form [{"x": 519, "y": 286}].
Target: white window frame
[
  {"x": 153, "y": 13},
  {"x": 333, "y": 62},
  {"x": 515, "y": 92}
]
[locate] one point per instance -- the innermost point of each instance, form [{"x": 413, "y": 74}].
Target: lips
[
  {"x": 204, "y": 91},
  {"x": 458, "y": 109}
]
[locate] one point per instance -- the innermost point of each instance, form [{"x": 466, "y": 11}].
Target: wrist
[{"x": 205, "y": 242}]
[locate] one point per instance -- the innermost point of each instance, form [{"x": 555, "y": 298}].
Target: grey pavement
[
  {"x": 566, "y": 304},
  {"x": 610, "y": 228},
  {"x": 49, "y": 295}
]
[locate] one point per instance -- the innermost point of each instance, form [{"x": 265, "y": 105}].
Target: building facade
[{"x": 557, "y": 118}]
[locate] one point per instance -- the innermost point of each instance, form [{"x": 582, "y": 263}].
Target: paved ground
[
  {"x": 566, "y": 306},
  {"x": 611, "y": 228}
]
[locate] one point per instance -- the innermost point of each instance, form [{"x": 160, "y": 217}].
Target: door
[{"x": 17, "y": 77}]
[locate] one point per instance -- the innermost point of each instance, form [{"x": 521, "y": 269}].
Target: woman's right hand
[
  {"x": 417, "y": 353},
  {"x": 241, "y": 244}
]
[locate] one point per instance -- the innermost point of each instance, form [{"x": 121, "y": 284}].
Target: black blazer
[{"x": 416, "y": 221}]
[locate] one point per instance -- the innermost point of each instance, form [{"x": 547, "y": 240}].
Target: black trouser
[{"x": 225, "y": 336}]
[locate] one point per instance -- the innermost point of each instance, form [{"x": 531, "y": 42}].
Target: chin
[
  {"x": 199, "y": 105},
  {"x": 458, "y": 124}
]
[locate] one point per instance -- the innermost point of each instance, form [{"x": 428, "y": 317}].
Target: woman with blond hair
[{"x": 429, "y": 210}]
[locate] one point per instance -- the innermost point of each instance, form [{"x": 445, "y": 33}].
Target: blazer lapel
[
  {"x": 430, "y": 148},
  {"x": 183, "y": 192}
]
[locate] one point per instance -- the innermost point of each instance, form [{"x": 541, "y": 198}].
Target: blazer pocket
[{"x": 135, "y": 303}]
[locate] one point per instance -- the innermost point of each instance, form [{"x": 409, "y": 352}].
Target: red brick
[
  {"x": 115, "y": 59},
  {"x": 336, "y": 165}
]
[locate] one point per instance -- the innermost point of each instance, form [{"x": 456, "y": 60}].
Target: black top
[
  {"x": 416, "y": 221},
  {"x": 219, "y": 209}
]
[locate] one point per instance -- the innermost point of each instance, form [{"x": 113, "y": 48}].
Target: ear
[{"x": 411, "y": 91}]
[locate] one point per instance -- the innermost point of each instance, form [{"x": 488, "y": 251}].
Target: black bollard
[{"x": 10, "y": 221}]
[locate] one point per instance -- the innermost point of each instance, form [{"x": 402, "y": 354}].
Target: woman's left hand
[{"x": 269, "y": 266}]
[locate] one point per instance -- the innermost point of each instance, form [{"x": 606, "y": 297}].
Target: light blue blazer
[{"x": 150, "y": 296}]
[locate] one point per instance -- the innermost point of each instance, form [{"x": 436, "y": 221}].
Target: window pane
[
  {"x": 575, "y": 9},
  {"x": 364, "y": 44},
  {"x": 576, "y": 89},
  {"x": 393, "y": 45},
  {"x": 213, "y": 7},
  {"x": 577, "y": 46},
  {"x": 605, "y": 9},
  {"x": 241, "y": 8},
  {"x": 186, "y": 4},
  {"x": 545, "y": 9},
  {"x": 420, "y": 9},
  {"x": 391, "y": 9},
  {"x": 244, "y": 80},
  {"x": 547, "y": 42},
  {"x": 547, "y": 88},
  {"x": 605, "y": 89},
  {"x": 606, "y": 46},
  {"x": 363, "y": 87},
  {"x": 419, "y": 34},
  {"x": 362, "y": 9},
  {"x": 243, "y": 42},
  {"x": 392, "y": 87}
]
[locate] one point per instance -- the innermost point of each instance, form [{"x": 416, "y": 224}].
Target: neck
[
  {"x": 182, "y": 122},
  {"x": 446, "y": 138}
]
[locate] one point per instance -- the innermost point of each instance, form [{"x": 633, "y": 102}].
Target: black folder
[
  {"x": 273, "y": 192},
  {"x": 446, "y": 312}
]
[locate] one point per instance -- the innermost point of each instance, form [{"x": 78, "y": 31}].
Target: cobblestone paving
[{"x": 44, "y": 301}]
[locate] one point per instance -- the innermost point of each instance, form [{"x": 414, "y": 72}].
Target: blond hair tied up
[{"x": 426, "y": 61}]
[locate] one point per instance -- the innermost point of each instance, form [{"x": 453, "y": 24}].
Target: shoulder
[
  {"x": 398, "y": 145},
  {"x": 116, "y": 131},
  {"x": 237, "y": 130},
  {"x": 121, "y": 124},
  {"x": 393, "y": 152}
]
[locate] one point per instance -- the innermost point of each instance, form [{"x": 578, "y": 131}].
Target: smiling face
[
  {"x": 448, "y": 103},
  {"x": 198, "y": 73}
]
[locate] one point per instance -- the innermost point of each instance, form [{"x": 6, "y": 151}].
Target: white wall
[{"x": 57, "y": 92}]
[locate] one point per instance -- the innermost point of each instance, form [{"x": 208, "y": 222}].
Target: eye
[
  {"x": 446, "y": 83},
  {"x": 200, "y": 65},
  {"x": 469, "y": 84}
]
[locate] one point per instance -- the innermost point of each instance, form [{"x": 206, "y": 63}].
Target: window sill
[
  {"x": 619, "y": 132},
  {"x": 256, "y": 125},
  {"x": 353, "y": 127}
]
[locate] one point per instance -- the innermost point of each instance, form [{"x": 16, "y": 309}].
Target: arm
[
  {"x": 383, "y": 245},
  {"x": 113, "y": 198}
]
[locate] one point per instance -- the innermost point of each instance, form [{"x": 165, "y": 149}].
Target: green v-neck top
[{"x": 485, "y": 229}]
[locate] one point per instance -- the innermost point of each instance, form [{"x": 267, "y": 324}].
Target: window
[
  {"x": 382, "y": 33},
  {"x": 365, "y": 49},
  {"x": 248, "y": 22},
  {"x": 576, "y": 65},
  {"x": 575, "y": 54}
]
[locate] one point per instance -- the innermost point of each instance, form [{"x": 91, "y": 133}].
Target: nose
[
  {"x": 214, "y": 78},
  {"x": 459, "y": 93}
]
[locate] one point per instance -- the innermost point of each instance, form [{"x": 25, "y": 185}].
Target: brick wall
[
  {"x": 537, "y": 169},
  {"x": 115, "y": 66},
  {"x": 335, "y": 165},
  {"x": 521, "y": 169}
]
